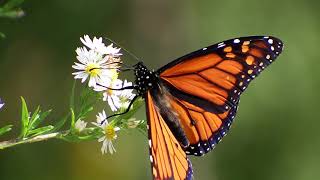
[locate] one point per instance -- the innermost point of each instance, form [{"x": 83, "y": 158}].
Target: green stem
[{"x": 14, "y": 142}]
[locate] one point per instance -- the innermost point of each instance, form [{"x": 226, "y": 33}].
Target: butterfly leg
[{"x": 127, "y": 110}]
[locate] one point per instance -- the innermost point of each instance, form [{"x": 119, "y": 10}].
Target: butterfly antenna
[{"x": 131, "y": 54}]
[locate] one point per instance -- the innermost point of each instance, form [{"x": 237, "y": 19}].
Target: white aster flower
[
  {"x": 80, "y": 125},
  {"x": 100, "y": 63},
  {"x": 91, "y": 65},
  {"x": 109, "y": 132},
  {"x": 112, "y": 96},
  {"x": 97, "y": 45},
  {"x": 111, "y": 51},
  {"x": 116, "y": 99}
]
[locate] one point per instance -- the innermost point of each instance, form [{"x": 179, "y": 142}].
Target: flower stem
[{"x": 14, "y": 142}]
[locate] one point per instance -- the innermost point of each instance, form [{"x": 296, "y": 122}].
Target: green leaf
[
  {"x": 60, "y": 123},
  {"x": 72, "y": 119},
  {"x": 39, "y": 118},
  {"x": 5, "y": 129},
  {"x": 84, "y": 112},
  {"x": 35, "y": 117},
  {"x": 24, "y": 118},
  {"x": 42, "y": 130}
]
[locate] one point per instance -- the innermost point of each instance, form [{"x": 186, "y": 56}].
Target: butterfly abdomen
[{"x": 162, "y": 99}]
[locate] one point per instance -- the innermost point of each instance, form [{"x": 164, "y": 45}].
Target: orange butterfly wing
[
  {"x": 167, "y": 157},
  {"x": 206, "y": 86}
]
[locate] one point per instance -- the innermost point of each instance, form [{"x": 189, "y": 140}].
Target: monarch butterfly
[{"x": 192, "y": 101}]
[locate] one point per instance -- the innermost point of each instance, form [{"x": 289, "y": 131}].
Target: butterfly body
[{"x": 192, "y": 101}]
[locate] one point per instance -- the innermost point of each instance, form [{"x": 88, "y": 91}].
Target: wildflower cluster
[
  {"x": 97, "y": 67},
  {"x": 99, "y": 64}
]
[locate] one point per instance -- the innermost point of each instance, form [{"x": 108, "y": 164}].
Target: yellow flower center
[
  {"x": 110, "y": 133},
  {"x": 93, "y": 69}
]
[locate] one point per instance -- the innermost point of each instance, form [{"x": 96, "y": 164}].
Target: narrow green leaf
[
  {"x": 84, "y": 112},
  {"x": 35, "y": 117},
  {"x": 24, "y": 118},
  {"x": 72, "y": 118},
  {"x": 40, "y": 131},
  {"x": 40, "y": 118},
  {"x": 60, "y": 123},
  {"x": 5, "y": 129}
]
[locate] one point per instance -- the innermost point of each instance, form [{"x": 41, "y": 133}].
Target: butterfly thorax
[{"x": 145, "y": 79}]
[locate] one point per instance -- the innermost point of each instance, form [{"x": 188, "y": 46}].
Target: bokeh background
[{"x": 276, "y": 132}]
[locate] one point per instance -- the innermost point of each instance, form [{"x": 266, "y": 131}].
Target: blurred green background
[{"x": 275, "y": 135}]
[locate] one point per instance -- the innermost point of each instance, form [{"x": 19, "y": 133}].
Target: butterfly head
[{"x": 145, "y": 79}]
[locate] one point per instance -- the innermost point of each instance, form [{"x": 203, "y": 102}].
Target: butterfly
[{"x": 192, "y": 101}]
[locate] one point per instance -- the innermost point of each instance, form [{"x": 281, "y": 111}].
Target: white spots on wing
[
  {"x": 204, "y": 49},
  {"x": 266, "y": 37},
  {"x": 268, "y": 56},
  {"x": 151, "y": 159},
  {"x": 272, "y": 48},
  {"x": 270, "y": 41},
  {"x": 150, "y": 143},
  {"x": 236, "y": 41},
  {"x": 221, "y": 45}
]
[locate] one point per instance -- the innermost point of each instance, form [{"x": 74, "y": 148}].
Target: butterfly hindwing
[
  {"x": 206, "y": 85},
  {"x": 167, "y": 157}
]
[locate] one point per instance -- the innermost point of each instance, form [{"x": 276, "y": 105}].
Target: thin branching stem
[{"x": 14, "y": 142}]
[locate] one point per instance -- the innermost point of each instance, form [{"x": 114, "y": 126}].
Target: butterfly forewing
[{"x": 206, "y": 86}]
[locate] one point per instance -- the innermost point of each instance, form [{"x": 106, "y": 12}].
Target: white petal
[{"x": 92, "y": 82}]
